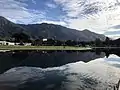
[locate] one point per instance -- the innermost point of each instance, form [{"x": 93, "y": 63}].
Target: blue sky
[{"x": 100, "y": 16}]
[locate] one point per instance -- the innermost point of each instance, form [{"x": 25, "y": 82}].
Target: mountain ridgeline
[{"x": 44, "y": 30}]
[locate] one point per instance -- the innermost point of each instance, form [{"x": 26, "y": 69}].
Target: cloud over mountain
[{"x": 96, "y": 15}]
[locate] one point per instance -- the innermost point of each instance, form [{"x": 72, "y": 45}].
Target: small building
[
  {"x": 27, "y": 44},
  {"x": 10, "y": 43},
  {"x": 3, "y": 43},
  {"x": 45, "y": 39},
  {"x": 13, "y": 43},
  {"x": 17, "y": 43},
  {"x": 6, "y": 43}
]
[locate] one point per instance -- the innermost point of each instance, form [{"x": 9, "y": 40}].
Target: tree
[
  {"x": 37, "y": 42},
  {"x": 107, "y": 41},
  {"x": 58, "y": 43},
  {"x": 98, "y": 42},
  {"x": 21, "y": 37},
  {"x": 71, "y": 43},
  {"x": 50, "y": 42}
]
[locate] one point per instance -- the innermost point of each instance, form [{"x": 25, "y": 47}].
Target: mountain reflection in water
[
  {"x": 95, "y": 72},
  {"x": 44, "y": 59}
]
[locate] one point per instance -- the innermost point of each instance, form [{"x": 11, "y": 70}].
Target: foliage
[{"x": 21, "y": 37}]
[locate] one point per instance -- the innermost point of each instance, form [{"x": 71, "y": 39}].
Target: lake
[{"x": 59, "y": 70}]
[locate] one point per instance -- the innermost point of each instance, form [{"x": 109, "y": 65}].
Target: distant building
[
  {"x": 17, "y": 43},
  {"x": 27, "y": 44},
  {"x": 6, "y": 43},
  {"x": 11, "y": 43},
  {"x": 3, "y": 43},
  {"x": 45, "y": 39}
]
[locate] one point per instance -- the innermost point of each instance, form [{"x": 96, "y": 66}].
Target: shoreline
[
  {"x": 62, "y": 48},
  {"x": 8, "y": 48}
]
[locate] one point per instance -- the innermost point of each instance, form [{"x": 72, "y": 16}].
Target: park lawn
[{"x": 42, "y": 48}]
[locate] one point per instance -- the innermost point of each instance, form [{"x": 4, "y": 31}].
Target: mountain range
[{"x": 44, "y": 30}]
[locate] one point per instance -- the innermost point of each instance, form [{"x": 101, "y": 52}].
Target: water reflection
[
  {"x": 98, "y": 74},
  {"x": 114, "y": 60},
  {"x": 72, "y": 71},
  {"x": 109, "y": 51},
  {"x": 44, "y": 59}
]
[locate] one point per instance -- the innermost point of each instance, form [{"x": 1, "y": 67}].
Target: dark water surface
[{"x": 59, "y": 70}]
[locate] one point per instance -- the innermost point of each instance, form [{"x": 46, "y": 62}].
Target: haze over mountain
[{"x": 8, "y": 28}]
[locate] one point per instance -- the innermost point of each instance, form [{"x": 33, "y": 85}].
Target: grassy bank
[{"x": 42, "y": 48}]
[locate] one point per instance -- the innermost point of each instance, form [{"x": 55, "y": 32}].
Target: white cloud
[
  {"x": 70, "y": 6},
  {"x": 96, "y": 15},
  {"x": 115, "y": 36},
  {"x": 34, "y": 2},
  {"x": 50, "y": 5},
  {"x": 53, "y": 22},
  {"x": 17, "y": 11},
  {"x": 95, "y": 24}
]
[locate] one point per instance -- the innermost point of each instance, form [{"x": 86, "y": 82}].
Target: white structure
[
  {"x": 6, "y": 43},
  {"x": 11, "y": 43},
  {"x": 44, "y": 39},
  {"x": 3, "y": 43},
  {"x": 27, "y": 44},
  {"x": 17, "y": 43}
]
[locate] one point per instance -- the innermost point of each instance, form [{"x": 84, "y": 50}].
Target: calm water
[{"x": 59, "y": 70}]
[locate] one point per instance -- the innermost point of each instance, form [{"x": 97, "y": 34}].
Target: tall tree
[
  {"x": 107, "y": 41},
  {"x": 98, "y": 42},
  {"x": 21, "y": 37}
]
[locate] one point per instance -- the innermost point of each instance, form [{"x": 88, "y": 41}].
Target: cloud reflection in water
[{"x": 98, "y": 74}]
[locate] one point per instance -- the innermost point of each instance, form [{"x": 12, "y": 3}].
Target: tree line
[{"x": 25, "y": 38}]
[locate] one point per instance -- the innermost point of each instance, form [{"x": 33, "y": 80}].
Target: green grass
[{"x": 42, "y": 48}]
